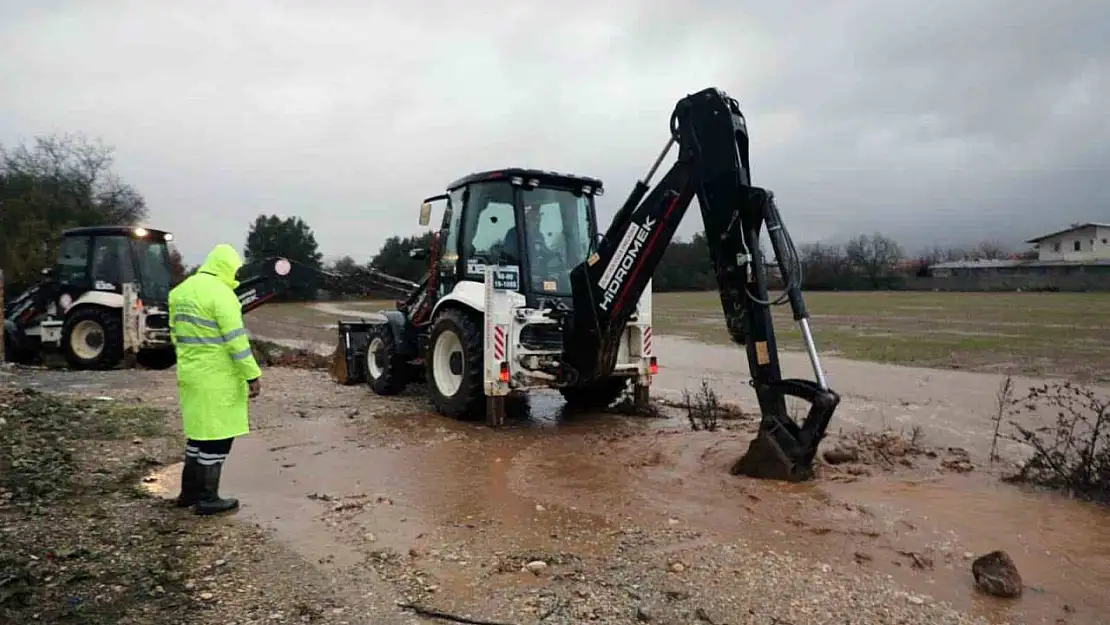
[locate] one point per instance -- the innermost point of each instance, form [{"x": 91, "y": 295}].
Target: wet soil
[{"x": 640, "y": 515}]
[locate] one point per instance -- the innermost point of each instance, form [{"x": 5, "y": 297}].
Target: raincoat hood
[{"x": 223, "y": 261}]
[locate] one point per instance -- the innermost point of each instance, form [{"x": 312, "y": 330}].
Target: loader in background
[{"x": 104, "y": 303}]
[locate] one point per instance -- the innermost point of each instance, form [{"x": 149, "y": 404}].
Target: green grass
[{"x": 1062, "y": 334}]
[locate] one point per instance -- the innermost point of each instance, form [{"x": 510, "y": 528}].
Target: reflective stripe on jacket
[{"x": 214, "y": 358}]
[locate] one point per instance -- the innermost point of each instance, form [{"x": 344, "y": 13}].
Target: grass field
[
  {"x": 1064, "y": 334},
  {"x": 1054, "y": 334}
]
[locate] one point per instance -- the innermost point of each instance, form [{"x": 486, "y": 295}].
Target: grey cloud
[{"x": 936, "y": 122}]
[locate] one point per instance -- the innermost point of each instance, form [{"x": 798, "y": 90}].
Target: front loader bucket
[
  {"x": 783, "y": 449},
  {"x": 348, "y": 363}
]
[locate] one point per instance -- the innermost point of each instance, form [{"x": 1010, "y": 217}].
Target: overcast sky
[{"x": 935, "y": 122}]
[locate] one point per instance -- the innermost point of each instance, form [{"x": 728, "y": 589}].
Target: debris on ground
[
  {"x": 890, "y": 450},
  {"x": 269, "y": 354},
  {"x": 996, "y": 574}
]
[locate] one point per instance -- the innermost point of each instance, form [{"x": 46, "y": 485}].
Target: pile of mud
[{"x": 269, "y": 354}]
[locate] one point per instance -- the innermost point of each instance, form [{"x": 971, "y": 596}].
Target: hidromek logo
[{"x": 629, "y": 249}]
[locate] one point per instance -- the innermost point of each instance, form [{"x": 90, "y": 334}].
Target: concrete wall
[
  {"x": 1094, "y": 244},
  {"x": 1067, "y": 278}
]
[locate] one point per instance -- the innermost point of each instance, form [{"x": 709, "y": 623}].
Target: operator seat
[{"x": 510, "y": 246}]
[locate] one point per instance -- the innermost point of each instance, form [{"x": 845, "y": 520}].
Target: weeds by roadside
[
  {"x": 69, "y": 550},
  {"x": 1072, "y": 454},
  {"x": 42, "y": 439},
  {"x": 703, "y": 409}
]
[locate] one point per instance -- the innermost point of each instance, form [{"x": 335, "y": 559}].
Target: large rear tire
[
  {"x": 386, "y": 371},
  {"x": 453, "y": 365},
  {"x": 597, "y": 395},
  {"x": 92, "y": 338}
]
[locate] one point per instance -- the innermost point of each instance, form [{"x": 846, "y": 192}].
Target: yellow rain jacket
[{"x": 214, "y": 359}]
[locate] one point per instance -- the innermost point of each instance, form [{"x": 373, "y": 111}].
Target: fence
[{"x": 1072, "y": 278}]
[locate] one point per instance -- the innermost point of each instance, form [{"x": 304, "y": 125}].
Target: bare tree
[
  {"x": 875, "y": 255},
  {"x": 824, "y": 266},
  {"x": 990, "y": 250},
  {"x": 59, "y": 181}
]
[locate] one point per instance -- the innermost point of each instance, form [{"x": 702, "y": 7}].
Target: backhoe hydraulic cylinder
[{"x": 811, "y": 351}]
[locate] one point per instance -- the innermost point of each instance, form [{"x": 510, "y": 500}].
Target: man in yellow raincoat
[{"x": 216, "y": 373}]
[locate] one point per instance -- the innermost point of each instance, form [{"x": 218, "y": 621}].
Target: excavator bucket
[
  {"x": 348, "y": 363},
  {"x": 784, "y": 449}
]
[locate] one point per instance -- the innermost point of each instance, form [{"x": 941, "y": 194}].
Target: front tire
[
  {"x": 385, "y": 369},
  {"x": 92, "y": 338},
  {"x": 453, "y": 365}
]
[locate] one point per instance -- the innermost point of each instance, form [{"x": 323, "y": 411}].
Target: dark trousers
[{"x": 208, "y": 453}]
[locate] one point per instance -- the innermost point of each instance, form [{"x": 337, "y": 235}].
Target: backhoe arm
[
  {"x": 712, "y": 165},
  {"x": 261, "y": 281}
]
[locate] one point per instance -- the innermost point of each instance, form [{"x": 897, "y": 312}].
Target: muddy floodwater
[{"x": 411, "y": 482}]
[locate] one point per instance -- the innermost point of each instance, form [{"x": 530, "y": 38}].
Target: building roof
[{"x": 1071, "y": 228}]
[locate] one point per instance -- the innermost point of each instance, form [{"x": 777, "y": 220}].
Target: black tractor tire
[
  {"x": 468, "y": 401},
  {"x": 597, "y": 395},
  {"x": 381, "y": 354},
  {"x": 156, "y": 359},
  {"x": 108, "y": 325}
]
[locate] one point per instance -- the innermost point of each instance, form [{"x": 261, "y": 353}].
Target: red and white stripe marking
[
  {"x": 647, "y": 341},
  {"x": 498, "y": 343}
]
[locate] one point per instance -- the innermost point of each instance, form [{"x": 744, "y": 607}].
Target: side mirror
[
  {"x": 418, "y": 253},
  {"x": 425, "y": 214}
]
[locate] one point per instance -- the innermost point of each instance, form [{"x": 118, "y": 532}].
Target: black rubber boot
[
  {"x": 190, "y": 483},
  {"x": 210, "y": 501}
]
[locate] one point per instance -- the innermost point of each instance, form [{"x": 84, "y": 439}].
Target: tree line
[{"x": 64, "y": 181}]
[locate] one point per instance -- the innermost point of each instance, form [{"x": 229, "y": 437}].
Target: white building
[{"x": 1080, "y": 243}]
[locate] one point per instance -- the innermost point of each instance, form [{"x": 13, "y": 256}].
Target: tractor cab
[
  {"x": 104, "y": 258},
  {"x": 541, "y": 223}
]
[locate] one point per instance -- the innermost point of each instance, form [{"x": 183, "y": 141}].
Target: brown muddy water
[{"x": 553, "y": 481}]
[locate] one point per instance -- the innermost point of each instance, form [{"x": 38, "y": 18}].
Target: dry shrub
[
  {"x": 1072, "y": 454},
  {"x": 703, "y": 409}
]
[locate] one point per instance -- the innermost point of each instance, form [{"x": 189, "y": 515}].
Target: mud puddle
[
  {"x": 1061, "y": 546},
  {"x": 435, "y": 493},
  {"x": 456, "y": 510},
  {"x": 922, "y": 527}
]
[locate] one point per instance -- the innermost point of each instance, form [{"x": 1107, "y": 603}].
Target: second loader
[{"x": 523, "y": 292}]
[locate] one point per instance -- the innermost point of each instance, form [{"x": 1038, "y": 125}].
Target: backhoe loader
[
  {"x": 522, "y": 292},
  {"x": 103, "y": 303}
]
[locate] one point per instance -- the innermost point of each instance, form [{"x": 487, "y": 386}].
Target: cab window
[
  {"x": 73, "y": 261},
  {"x": 112, "y": 262},
  {"x": 490, "y": 222}
]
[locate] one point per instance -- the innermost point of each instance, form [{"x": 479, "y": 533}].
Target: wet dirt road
[
  {"x": 450, "y": 512},
  {"x": 634, "y": 514}
]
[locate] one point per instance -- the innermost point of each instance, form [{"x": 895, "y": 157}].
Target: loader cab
[
  {"x": 103, "y": 258},
  {"x": 543, "y": 223}
]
